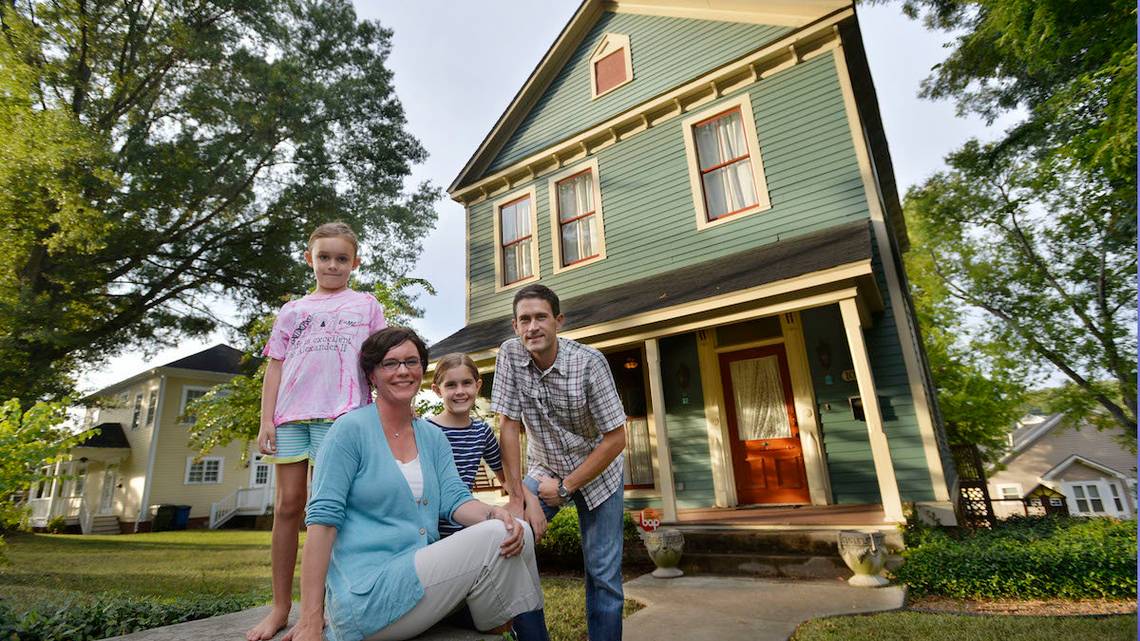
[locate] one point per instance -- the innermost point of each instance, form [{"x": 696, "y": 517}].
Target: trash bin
[
  {"x": 162, "y": 518},
  {"x": 181, "y": 517}
]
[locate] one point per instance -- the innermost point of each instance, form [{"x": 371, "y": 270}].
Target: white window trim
[
  {"x": 555, "y": 223},
  {"x": 1105, "y": 498},
  {"x": 190, "y": 463},
  {"x": 531, "y": 193},
  {"x": 186, "y": 389},
  {"x": 254, "y": 462},
  {"x": 610, "y": 43},
  {"x": 137, "y": 411},
  {"x": 151, "y": 406},
  {"x": 763, "y": 202},
  {"x": 1016, "y": 486}
]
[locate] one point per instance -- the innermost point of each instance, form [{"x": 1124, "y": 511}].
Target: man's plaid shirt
[{"x": 565, "y": 410}]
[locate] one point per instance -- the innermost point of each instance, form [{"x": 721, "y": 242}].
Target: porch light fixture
[{"x": 631, "y": 363}]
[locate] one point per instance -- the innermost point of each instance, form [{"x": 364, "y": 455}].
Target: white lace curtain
[
  {"x": 729, "y": 188},
  {"x": 759, "y": 396},
  {"x": 515, "y": 224}
]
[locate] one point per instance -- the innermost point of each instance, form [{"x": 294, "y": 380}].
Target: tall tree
[
  {"x": 1037, "y": 230},
  {"x": 157, "y": 157}
]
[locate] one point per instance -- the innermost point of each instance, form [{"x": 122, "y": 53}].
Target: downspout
[{"x": 144, "y": 504}]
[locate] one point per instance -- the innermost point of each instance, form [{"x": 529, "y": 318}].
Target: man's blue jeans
[{"x": 601, "y": 550}]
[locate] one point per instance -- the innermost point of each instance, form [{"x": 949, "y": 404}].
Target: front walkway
[{"x": 699, "y": 608}]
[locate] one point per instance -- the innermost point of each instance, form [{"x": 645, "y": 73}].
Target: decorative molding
[{"x": 610, "y": 43}]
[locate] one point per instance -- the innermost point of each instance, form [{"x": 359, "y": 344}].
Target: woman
[{"x": 382, "y": 481}]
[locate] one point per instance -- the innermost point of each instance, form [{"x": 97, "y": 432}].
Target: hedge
[
  {"x": 111, "y": 615},
  {"x": 1024, "y": 558},
  {"x": 562, "y": 543}
]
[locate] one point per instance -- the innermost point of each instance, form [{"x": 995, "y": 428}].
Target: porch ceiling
[{"x": 782, "y": 260}]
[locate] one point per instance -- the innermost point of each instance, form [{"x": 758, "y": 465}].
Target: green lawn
[
  {"x": 905, "y": 626},
  {"x": 58, "y": 568}
]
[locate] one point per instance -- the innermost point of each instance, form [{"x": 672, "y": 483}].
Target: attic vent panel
[{"x": 611, "y": 65}]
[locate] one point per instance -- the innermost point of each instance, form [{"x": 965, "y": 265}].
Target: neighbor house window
[
  {"x": 611, "y": 64},
  {"x": 516, "y": 251},
  {"x": 205, "y": 471},
  {"x": 577, "y": 230},
  {"x": 1086, "y": 499},
  {"x": 190, "y": 393},
  {"x": 136, "y": 413},
  {"x": 151, "y": 407},
  {"x": 725, "y": 169},
  {"x": 1009, "y": 491}
]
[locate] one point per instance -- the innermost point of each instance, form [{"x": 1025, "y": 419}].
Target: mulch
[{"x": 1027, "y": 607}]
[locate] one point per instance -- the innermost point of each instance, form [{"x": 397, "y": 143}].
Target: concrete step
[
  {"x": 804, "y": 541},
  {"x": 770, "y": 566}
]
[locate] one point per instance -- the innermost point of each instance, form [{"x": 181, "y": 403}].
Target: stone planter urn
[
  {"x": 865, "y": 554},
  {"x": 665, "y": 546}
]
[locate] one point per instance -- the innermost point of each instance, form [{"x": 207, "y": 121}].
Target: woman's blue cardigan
[{"x": 359, "y": 490}]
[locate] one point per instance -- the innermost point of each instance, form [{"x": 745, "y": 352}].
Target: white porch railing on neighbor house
[
  {"x": 247, "y": 500},
  {"x": 69, "y": 507}
]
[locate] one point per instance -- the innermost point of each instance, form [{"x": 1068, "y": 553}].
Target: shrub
[
  {"x": 56, "y": 525},
  {"x": 562, "y": 543},
  {"x": 111, "y": 615},
  {"x": 1024, "y": 558}
]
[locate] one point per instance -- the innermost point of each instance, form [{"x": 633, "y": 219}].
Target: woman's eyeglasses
[{"x": 392, "y": 364}]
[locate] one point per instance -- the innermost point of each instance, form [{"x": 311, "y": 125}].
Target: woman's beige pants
[{"x": 467, "y": 566}]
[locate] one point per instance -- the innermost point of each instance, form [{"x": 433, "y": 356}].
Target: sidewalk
[
  {"x": 710, "y": 608},
  {"x": 701, "y": 608}
]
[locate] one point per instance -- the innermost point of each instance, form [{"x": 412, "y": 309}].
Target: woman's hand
[{"x": 513, "y": 544}]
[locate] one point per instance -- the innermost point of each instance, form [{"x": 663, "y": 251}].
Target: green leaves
[
  {"x": 157, "y": 158},
  {"x": 1030, "y": 239}
]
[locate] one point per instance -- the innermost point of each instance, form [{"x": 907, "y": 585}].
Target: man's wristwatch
[{"x": 563, "y": 493}]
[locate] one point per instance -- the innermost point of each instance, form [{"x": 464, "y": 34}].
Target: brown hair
[
  {"x": 541, "y": 292},
  {"x": 377, "y": 346},
  {"x": 335, "y": 230},
  {"x": 451, "y": 361}
]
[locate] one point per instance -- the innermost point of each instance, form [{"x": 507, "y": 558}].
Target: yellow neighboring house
[{"x": 116, "y": 481}]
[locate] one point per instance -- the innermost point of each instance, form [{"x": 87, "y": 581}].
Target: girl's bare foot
[{"x": 272, "y": 623}]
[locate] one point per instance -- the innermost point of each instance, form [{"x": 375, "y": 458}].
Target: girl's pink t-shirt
[{"x": 318, "y": 340}]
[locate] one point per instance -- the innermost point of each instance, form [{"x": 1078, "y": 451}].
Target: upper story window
[
  {"x": 516, "y": 250},
  {"x": 611, "y": 65},
  {"x": 151, "y": 407},
  {"x": 136, "y": 412},
  {"x": 577, "y": 229},
  {"x": 726, "y": 171},
  {"x": 190, "y": 393}
]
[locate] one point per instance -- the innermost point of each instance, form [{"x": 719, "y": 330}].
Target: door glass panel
[{"x": 759, "y": 396}]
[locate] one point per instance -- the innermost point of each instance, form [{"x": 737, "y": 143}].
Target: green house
[{"x": 707, "y": 186}]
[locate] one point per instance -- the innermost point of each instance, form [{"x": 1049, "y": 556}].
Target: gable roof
[
  {"x": 1028, "y": 431},
  {"x": 219, "y": 358},
  {"x": 110, "y": 435},
  {"x": 793, "y": 13},
  {"x": 1057, "y": 469},
  {"x": 832, "y": 247}
]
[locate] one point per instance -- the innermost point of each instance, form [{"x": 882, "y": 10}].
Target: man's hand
[
  {"x": 548, "y": 491},
  {"x": 513, "y": 544}
]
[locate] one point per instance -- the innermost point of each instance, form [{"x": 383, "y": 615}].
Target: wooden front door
[{"x": 767, "y": 458}]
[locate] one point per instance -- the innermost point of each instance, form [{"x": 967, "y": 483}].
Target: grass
[
  {"x": 904, "y": 626},
  {"x": 61, "y": 568}
]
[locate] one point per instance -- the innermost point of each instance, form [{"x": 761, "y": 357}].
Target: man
[{"x": 564, "y": 393}]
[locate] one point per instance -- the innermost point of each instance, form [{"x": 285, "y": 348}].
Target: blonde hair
[
  {"x": 451, "y": 361},
  {"x": 335, "y": 229}
]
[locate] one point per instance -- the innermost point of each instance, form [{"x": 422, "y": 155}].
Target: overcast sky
[{"x": 457, "y": 65}]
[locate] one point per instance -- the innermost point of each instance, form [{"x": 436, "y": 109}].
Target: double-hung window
[
  {"x": 725, "y": 168},
  {"x": 517, "y": 246},
  {"x": 206, "y": 471},
  {"x": 577, "y": 229}
]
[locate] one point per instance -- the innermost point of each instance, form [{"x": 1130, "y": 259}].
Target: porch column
[
  {"x": 880, "y": 449},
  {"x": 664, "y": 459},
  {"x": 54, "y": 487}
]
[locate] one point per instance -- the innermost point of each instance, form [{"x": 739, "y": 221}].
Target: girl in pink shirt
[{"x": 313, "y": 376}]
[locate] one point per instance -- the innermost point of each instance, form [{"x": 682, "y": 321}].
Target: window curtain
[
  {"x": 580, "y": 237},
  {"x": 515, "y": 222},
  {"x": 729, "y": 188},
  {"x": 759, "y": 396}
]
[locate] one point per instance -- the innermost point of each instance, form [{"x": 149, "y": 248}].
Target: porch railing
[
  {"x": 40, "y": 509},
  {"x": 250, "y": 500}
]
